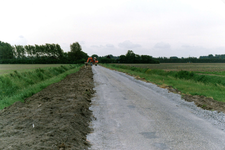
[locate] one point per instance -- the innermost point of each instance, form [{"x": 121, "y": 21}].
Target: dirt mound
[
  {"x": 56, "y": 118},
  {"x": 206, "y": 103},
  {"x": 201, "y": 101}
]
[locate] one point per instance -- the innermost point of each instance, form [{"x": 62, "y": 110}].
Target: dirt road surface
[
  {"x": 57, "y": 118},
  {"x": 134, "y": 115}
]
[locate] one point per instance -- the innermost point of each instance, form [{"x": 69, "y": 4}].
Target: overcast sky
[{"x": 167, "y": 28}]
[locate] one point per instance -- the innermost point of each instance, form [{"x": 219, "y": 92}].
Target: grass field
[
  {"x": 201, "y": 67},
  {"x": 9, "y": 68},
  {"x": 22, "y": 81},
  {"x": 194, "y": 79}
]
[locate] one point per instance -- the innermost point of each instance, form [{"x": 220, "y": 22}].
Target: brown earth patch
[
  {"x": 201, "y": 101},
  {"x": 57, "y": 118}
]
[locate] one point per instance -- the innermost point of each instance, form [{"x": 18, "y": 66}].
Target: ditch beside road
[{"x": 135, "y": 115}]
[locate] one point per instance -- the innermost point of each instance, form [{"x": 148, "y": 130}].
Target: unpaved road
[{"x": 133, "y": 115}]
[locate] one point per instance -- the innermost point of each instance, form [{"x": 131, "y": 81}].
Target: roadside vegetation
[
  {"x": 187, "y": 82},
  {"x": 17, "y": 86}
]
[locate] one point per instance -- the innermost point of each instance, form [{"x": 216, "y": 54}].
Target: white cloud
[
  {"x": 110, "y": 46},
  {"x": 103, "y": 50},
  {"x": 103, "y": 46},
  {"x": 19, "y": 40},
  {"x": 162, "y": 45},
  {"x": 128, "y": 45}
]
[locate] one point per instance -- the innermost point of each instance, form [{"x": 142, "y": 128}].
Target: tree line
[
  {"x": 53, "y": 54},
  {"x": 41, "y": 54},
  {"x": 129, "y": 57},
  {"x": 202, "y": 59}
]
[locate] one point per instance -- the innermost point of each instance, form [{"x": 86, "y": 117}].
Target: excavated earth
[
  {"x": 201, "y": 101},
  {"x": 206, "y": 103},
  {"x": 57, "y": 118}
]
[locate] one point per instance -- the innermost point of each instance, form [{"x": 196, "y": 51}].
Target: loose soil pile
[
  {"x": 56, "y": 118},
  {"x": 201, "y": 101}
]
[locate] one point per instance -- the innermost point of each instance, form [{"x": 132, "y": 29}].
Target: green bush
[{"x": 184, "y": 75}]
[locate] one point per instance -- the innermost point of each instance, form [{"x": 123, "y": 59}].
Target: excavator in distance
[{"x": 93, "y": 61}]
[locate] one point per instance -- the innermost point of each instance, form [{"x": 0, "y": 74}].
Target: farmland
[
  {"x": 201, "y": 67},
  {"x": 8, "y": 68}
]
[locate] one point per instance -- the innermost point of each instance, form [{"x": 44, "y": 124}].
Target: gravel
[
  {"x": 131, "y": 114},
  {"x": 214, "y": 117}
]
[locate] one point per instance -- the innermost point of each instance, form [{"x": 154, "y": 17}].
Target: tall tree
[
  {"x": 75, "y": 47},
  {"x": 59, "y": 51},
  {"x": 6, "y": 51},
  {"x": 76, "y": 54},
  {"x": 94, "y": 55},
  {"x": 122, "y": 59},
  {"x": 20, "y": 51},
  {"x": 130, "y": 56},
  {"x": 28, "y": 50}
]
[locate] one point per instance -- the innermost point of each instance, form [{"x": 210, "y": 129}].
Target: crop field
[
  {"x": 201, "y": 67},
  {"x": 9, "y": 68}
]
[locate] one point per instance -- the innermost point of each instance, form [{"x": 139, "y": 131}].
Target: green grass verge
[
  {"x": 186, "y": 82},
  {"x": 19, "y": 86}
]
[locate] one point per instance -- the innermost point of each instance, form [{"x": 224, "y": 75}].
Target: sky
[{"x": 159, "y": 28}]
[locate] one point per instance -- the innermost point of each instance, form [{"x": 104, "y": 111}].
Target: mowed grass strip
[
  {"x": 186, "y": 86},
  {"x": 18, "y": 86}
]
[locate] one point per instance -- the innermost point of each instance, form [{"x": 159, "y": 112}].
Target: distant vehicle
[{"x": 93, "y": 61}]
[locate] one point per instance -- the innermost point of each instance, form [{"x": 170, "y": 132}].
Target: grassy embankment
[
  {"x": 17, "y": 86},
  {"x": 188, "y": 82}
]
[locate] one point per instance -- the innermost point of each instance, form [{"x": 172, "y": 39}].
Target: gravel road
[{"x": 134, "y": 115}]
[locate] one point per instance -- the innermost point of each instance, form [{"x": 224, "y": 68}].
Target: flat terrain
[
  {"x": 183, "y": 66},
  {"x": 56, "y": 118},
  {"x": 134, "y": 115},
  {"x": 8, "y": 68},
  {"x": 129, "y": 114}
]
